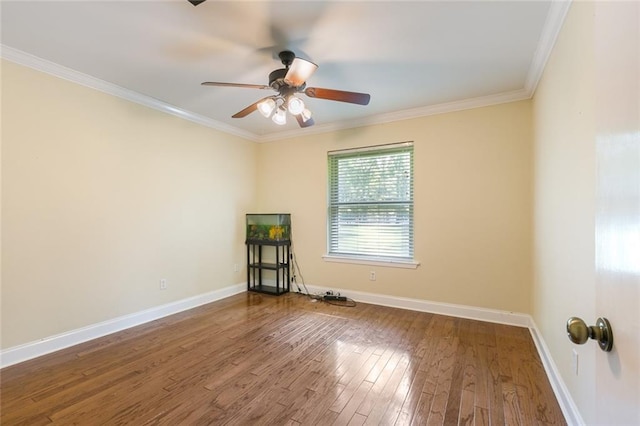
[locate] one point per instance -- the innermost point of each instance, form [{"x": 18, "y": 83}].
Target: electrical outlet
[
  {"x": 372, "y": 275},
  {"x": 236, "y": 268},
  {"x": 163, "y": 284},
  {"x": 574, "y": 361}
]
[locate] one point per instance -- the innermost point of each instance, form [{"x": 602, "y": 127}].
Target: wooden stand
[{"x": 259, "y": 269}]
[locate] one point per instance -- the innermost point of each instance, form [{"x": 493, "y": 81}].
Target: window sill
[{"x": 406, "y": 264}]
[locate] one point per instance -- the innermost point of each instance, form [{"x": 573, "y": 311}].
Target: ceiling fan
[{"x": 289, "y": 81}]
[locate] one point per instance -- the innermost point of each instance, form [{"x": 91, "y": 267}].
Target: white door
[{"x": 617, "y": 48}]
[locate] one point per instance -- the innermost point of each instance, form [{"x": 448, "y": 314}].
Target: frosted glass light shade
[
  {"x": 295, "y": 105},
  {"x": 280, "y": 117},
  {"x": 306, "y": 115},
  {"x": 266, "y": 107}
]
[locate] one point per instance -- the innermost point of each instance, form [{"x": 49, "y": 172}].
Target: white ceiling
[{"x": 413, "y": 57}]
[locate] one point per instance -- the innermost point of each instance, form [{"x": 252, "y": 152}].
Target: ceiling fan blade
[
  {"x": 248, "y": 110},
  {"x": 299, "y": 72},
  {"x": 196, "y": 2},
  {"x": 246, "y": 86},
  {"x": 303, "y": 123},
  {"x": 338, "y": 95}
]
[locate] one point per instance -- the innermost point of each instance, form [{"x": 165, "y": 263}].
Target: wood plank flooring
[{"x": 255, "y": 359}]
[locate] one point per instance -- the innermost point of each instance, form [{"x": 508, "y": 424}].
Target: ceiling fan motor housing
[
  {"x": 276, "y": 81},
  {"x": 276, "y": 78}
]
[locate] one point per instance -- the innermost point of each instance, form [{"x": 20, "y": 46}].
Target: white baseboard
[
  {"x": 50, "y": 344},
  {"x": 568, "y": 407},
  {"x": 460, "y": 311}
]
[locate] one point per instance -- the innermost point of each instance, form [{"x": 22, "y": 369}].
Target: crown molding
[
  {"x": 550, "y": 31},
  {"x": 48, "y": 67},
  {"x": 408, "y": 114},
  {"x": 552, "y": 26}
]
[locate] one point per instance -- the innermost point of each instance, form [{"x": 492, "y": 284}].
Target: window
[{"x": 371, "y": 203}]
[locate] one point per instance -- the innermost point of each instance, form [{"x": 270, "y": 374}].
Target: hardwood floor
[{"x": 255, "y": 359}]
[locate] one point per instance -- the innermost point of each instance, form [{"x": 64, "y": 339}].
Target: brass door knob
[{"x": 579, "y": 332}]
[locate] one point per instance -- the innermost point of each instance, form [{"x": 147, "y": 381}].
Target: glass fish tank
[{"x": 270, "y": 227}]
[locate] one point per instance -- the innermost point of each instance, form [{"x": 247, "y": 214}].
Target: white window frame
[{"x": 333, "y": 252}]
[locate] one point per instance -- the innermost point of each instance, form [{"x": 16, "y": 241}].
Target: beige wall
[
  {"x": 587, "y": 151},
  {"x": 472, "y": 206},
  {"x": 564, "y": 253},
  {"x": 101, "y": 198}
]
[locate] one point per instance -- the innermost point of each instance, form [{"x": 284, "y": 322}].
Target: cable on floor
[{"x": 329, "y": 297}]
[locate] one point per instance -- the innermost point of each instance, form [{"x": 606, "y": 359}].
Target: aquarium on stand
[
  {"x": 269, "y": 227},
  {"x": 268, "y": 252}
]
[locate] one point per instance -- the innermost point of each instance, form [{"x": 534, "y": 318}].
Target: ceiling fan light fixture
[
  {"x": 299, "y": 72},
  {"x": 306, "y": 115},
  {"x": 280, "y": 117},
  {"x": 287, "y": 82},
  {"x": 295, "y": 105},
  {"x": 266, "y": 107}
]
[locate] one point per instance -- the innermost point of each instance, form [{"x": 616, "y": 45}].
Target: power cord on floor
[
  {"x": 337, "y": 300},
  {"x": 343, "y": 301},
  {"x": 328, "y": 297}
]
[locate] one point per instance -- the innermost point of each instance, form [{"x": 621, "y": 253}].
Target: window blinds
[{"x": 371, "y": 202}]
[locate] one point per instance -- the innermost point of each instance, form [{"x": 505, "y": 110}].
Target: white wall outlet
[
  {"x": 163, "y": 284},
  {"x": 236, "y": 268},
  {"x": 574, "y": 361},
  {"x": 372, "y": 275}
]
